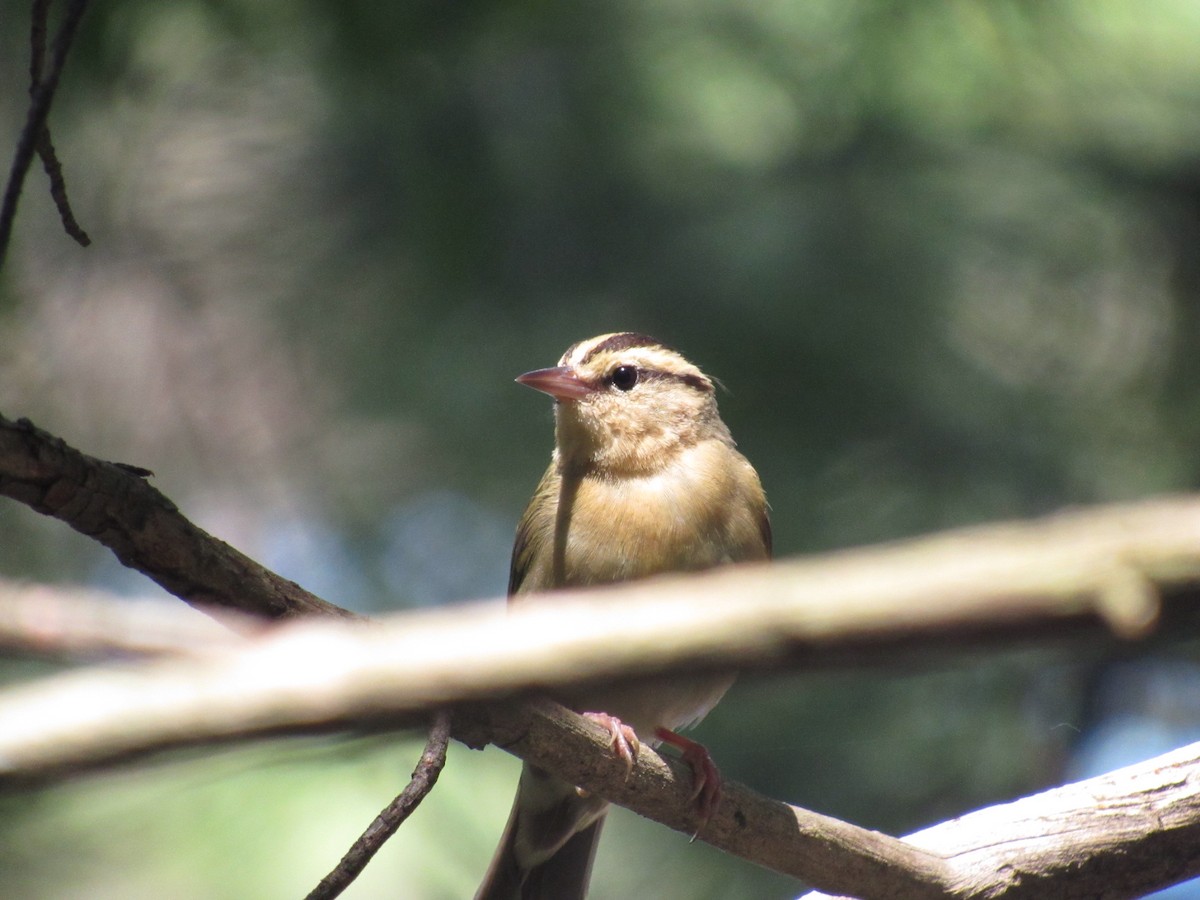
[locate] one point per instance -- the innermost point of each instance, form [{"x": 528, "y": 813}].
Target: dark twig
[
  {"x": 424, "y": 777},
  {"x": 37, "y": 41},
  {"x": 33, "y": 135},
  {"x": 45, "y": 146},
  {"x": 58, "y": 190}
]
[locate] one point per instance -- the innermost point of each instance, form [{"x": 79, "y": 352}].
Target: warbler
[{"x": 644, "y": 479}]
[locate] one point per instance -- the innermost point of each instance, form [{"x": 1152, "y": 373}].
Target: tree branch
[
  {"x": 1062, "y": 843},
  {"x": 86, "y": 623},
  {"x": 1118, "y": 835},
  {"x": 1118, "y": 570},
  {"x": 1115, "y": 836},
  {"x": 424, "y": 777},
  {"x": 45, "y": 145},
  {"x": 1085, "y": 573},
  {"x": 812, "y": 847},
  {"x": 42, "y": 94},
  {"x": 112, "y": 504}
]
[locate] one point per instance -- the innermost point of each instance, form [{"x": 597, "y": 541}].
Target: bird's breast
[{"x": 694, "y": 514}]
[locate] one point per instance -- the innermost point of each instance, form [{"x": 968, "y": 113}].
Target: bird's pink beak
[{"x": 560, "y": 382}]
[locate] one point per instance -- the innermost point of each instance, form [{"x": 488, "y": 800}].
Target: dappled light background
[{"x": 942, "y": 256}]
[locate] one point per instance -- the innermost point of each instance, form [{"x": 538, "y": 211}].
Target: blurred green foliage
[{"x": 943, "y": 256}]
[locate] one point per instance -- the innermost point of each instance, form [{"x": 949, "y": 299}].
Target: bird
[{"x": 644, "y": 479}]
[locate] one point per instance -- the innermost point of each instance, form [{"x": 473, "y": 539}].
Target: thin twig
[
  {"x": 424, "y": 777},
  {"x": 42, "y": 94},
  {"x": 37, "y": 41},
  {"x": 58, "y": 190},
  {"x": 45, "y": 145}
]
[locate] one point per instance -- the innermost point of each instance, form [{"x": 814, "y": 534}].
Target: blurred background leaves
[{"x": 943, "y": 256}]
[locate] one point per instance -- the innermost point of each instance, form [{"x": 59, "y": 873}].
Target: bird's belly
[{"x": 672, "y": 702}]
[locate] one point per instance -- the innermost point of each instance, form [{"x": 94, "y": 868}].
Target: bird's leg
[
  {"x": 706, "y": 778},
  {"x": 624, "y": 739}
]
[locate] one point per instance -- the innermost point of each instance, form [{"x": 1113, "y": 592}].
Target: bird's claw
[
  {"x": 624, "y": 740},
  {"x": 706, "y": 778}
]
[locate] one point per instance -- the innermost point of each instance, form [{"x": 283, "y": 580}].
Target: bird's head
[{"x": 625, "y": 403}]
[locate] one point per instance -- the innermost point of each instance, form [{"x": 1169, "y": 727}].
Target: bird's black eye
[{"x": 623, "y": 378}]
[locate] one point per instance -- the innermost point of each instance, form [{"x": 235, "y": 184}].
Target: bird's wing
[{"x": 532, "y": 538}]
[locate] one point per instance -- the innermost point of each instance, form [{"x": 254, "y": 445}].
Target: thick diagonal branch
[{"x": 146, "y": 531}]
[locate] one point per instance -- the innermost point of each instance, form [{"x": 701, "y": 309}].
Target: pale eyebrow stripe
[{"x": 625, "y": 340}]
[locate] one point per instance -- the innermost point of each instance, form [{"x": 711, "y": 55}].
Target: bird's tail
[{"x": 549, "y": 843}]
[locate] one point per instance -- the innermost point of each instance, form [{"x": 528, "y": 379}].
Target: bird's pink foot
[
  {"x": 706, "y": 778},
  {"x": 625, "y": 741}
]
